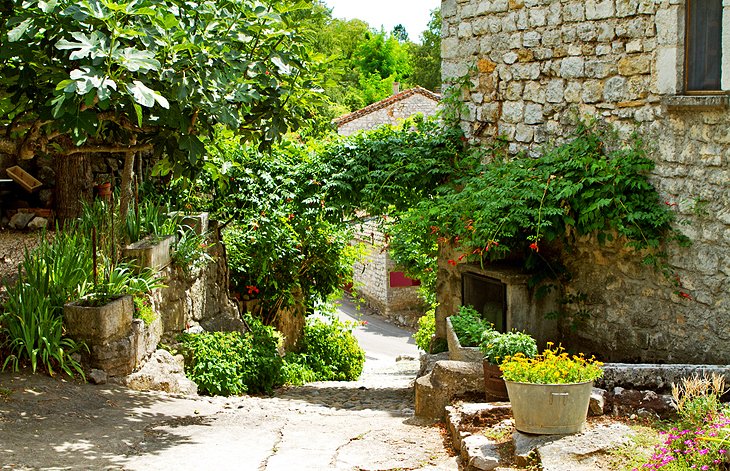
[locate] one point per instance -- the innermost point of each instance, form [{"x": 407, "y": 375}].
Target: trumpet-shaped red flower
[{"x": 534, "y": 247}]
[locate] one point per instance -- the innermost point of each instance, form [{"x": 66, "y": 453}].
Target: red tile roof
[{"x": 379, "y": 105}]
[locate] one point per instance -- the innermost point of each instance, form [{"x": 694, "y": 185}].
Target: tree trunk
[
  {"x": 126, "y": 187},
  {"x": 73, "y": 185}
]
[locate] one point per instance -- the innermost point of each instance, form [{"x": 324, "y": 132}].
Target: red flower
[
  {"x": 534, "y": 247},
  {"x": 461, "y": 257},
  {"x": 684, "y": 295},
  {"x": 252, "y": 289},
  {"x": 452, "y": 262},
  {"x": 670, "y": 204}
]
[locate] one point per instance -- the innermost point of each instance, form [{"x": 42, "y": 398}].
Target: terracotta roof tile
[{"x": 379, "y": 105}]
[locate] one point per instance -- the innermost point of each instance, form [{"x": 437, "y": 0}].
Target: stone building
[
  {"x": 376, "y": 278},
  {"x": 660, "y": 68},
  {"x": 391, "y": 110},
  {"x": 379, "y": 283}
]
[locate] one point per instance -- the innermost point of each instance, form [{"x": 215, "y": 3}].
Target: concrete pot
[
  {"x": 150, "y": 253},
  {"x": 549, "y": 409},
  {"x": 99, "y": 323},
  {"x": 456, "y": 351}
]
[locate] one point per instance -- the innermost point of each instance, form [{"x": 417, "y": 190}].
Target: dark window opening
[
  {"x": 486, "y": 295},
  {"x": 703, "y": 45}
]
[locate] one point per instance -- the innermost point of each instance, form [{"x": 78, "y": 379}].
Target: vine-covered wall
[{"x": 541, "y": 65}]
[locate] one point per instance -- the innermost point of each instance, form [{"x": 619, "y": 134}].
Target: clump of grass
[{"x": 698, "y": 398}]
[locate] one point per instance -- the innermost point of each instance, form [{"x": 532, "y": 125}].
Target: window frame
[{"x": 685, "y": 78}]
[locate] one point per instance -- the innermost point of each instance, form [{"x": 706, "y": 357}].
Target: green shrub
[
  {"x": 469, "y": 326},
  {"x": 331, "y": 351},
  {"x": 426, "y": 330},
  {"x": 231, "y": 363}
]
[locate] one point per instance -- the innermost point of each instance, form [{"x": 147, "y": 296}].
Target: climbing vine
[{"x": 532, "y": 208}]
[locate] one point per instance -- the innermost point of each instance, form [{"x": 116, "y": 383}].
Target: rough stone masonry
[{"x": 540, "y": 64}]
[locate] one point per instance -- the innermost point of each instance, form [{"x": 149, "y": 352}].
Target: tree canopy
[{"x": 116, "y": 76}]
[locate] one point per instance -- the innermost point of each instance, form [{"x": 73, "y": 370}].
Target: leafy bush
[
  {"x": 330, "y": 350},
  {"x": 426, "y": 330},
  {"x": 469, "y": 326},
  {"x": 232, "y": 363},
  {"x": 497, "y": 347}
]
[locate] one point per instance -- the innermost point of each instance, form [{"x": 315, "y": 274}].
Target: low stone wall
[{"x": 199, "y": 297}]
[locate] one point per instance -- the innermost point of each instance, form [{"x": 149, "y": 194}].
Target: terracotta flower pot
[{"x": 104, "y": 191}]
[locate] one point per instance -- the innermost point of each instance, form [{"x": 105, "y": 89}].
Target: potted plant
[
  {"x": 498, "y": 347},
  {"x": 463, "y": 334},
  {"x": 550, "y": 393}
]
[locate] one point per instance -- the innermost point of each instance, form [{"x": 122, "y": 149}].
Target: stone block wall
[
  {"x": 541, "y": 64},
  {"x": 371, "y": 279}
]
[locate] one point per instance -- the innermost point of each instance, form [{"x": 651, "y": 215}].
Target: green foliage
[
  {"x": 231, "y": 363},
  {"x": 33, "y": 331},
  {"x": 496, "y": 347},
  {"x": 392, "y": 167},
  {"x": 426, "y": 57},
  {"x": 521, "y": 206},
  {"x": 59, "y": 268},
  {"x": 162, "y": 72},
  {"x": 190, "y": 249},
  {"x": 469, "y": 326},
  {"x": 426, "y": 330},
  {"x": 143, "y": 309},
  {"x": 330, "y": 350}
]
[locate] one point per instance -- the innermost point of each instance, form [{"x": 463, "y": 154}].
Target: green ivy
[{"x": 532, "y": 208}]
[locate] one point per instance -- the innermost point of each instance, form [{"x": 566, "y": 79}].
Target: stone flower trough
[
  {"x": 456, "y": 351},
  {"x": 117, "y": 342},
  {"x": 197, "y": 222},
  {"x": 150, "y": 252}
]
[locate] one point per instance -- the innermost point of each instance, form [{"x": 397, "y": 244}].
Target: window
[{"x": 703, "y": 71}]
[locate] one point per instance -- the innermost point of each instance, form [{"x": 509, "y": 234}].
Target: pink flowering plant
[
  {"x": 701, "y": 439},
  {"x": 704, "y": 448}
]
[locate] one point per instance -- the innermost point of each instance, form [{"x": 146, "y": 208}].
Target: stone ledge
[
  {"x": 657, "y": 377},
  {"x": 696, "y": 102}
]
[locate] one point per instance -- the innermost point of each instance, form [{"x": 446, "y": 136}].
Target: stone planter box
[
  {"x": 149, "y": 253},
  {"x": 117, "y": 343},
  {"x": 198, "y": 222},
  {"x": 456, "y": 351},
  {"x": 99, "y": 323}
]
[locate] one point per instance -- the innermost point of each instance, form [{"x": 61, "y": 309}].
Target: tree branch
[{"x": 108, "y": 149}]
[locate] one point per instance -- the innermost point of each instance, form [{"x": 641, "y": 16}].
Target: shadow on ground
[{"x": 46, "y": 422}]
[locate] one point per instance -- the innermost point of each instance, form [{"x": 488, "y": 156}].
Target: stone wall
[
  {"x": 371, "y": 279},
  {"x": 540, "y": 64},
  {"x": 389, "y": 111},
  {"x": 199, "y": 297}
]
